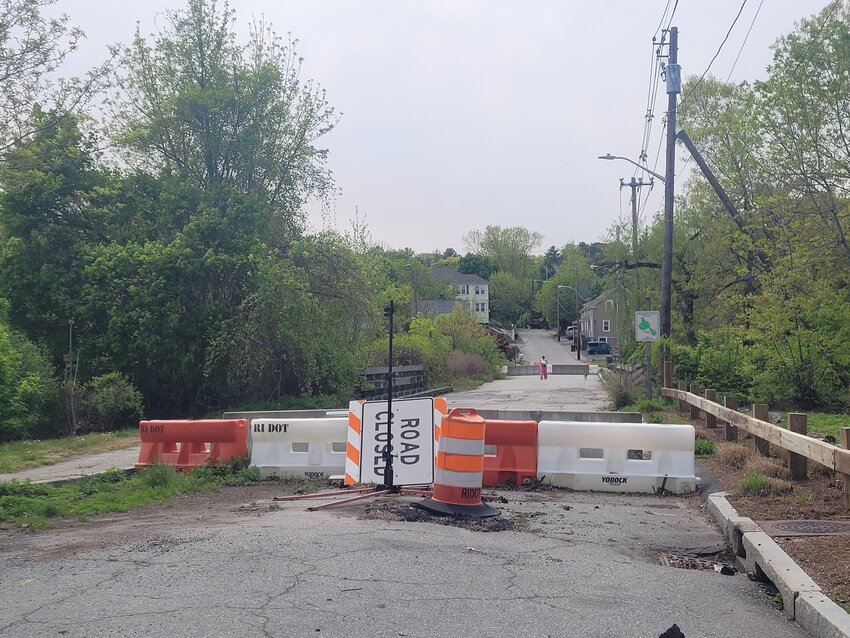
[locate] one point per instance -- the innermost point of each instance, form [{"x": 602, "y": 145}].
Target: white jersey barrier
[
  {"x": 617, "y": 457},
  {"x": 299, "y": 448}
]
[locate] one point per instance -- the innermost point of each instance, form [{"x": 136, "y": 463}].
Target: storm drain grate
[
  {"x": 667, "y": 559},
  {"x": 806, "y": 528}
]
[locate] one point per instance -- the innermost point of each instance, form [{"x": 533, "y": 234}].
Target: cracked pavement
[
  {"x": 575, "y": 564},
  {"x": 277, "y": 570}
]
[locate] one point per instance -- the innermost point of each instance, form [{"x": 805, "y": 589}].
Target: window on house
[
  {"x": 480, "y": 307},
  {"x": 479, "y": 290},
  {"x": 609, "y": 303},
  {"x": 463, "y": 289},
  {"x": 606, "y": 325}
]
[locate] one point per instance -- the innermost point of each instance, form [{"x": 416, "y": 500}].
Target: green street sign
[{"x": 647, "y": 325}]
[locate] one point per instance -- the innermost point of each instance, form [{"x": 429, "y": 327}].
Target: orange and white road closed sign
[{"x": 412, "y": 441}]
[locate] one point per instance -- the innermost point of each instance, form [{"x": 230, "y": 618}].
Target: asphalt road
[
  {"x": 579, "y": 564},
  {"x": 569, "y": 564},
  {"x": 559, "y": 392},
  {"x": 537, "y": 343}
]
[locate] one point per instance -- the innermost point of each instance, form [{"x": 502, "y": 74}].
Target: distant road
[{"x": 571, "y": 393}]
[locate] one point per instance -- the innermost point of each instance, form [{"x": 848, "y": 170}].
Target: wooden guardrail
[{"x": 797, "y": 445}]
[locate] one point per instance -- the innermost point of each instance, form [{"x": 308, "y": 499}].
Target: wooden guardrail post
[
  {"x": 797, "y": 463},
  {"x": 683, "y": 386},
  {"x": 731, "y": 430},
  {"x": 667, "y": 377},
  {"x": 710, "y": 419},
  {"x": 760, "y": 412},
  {"x": 694, "y": 409},
  {"x": 845, "y": 443}
]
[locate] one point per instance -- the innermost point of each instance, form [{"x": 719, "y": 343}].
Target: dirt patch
[
  {"x": 827, "y": 560},
  {"x": 820, "y": 497},
  {"x": 191, "y": 514},
  {"x": 400, "y": 511}
]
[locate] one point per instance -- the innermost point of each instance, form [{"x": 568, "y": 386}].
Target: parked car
[
  {"x": 598, "y": 347},
  {"x": 538, "y": 323}
]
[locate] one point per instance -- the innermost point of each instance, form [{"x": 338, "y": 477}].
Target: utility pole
[
  {"x": 648, "y": 362},
  {"x": 577, "y": 331},
  {"x": 558, "y": 303},
  {"x": 635, "y": 184},
  {"x": 673, "y": 74}
]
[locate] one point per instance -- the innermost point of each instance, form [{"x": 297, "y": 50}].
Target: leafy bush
[
  {"x": 159, "y": 476},
  {"x": 234, "y": 472},
  {"x": 755, "y": 484},
  {"x": 467, "y": 364},
  {"x": 734, "y": 455},
  {"x": 28, "y": 389},
  {"x": 111, "y": 402},
  {"x": 767, "y": 467},
  {"x": 718, "y": 360},
  {"x": 451, "y": 346},
  {"x": 468, "y": 335},
  {"x": 621, "y": 388},
  {"x": 703, "y": 447}
]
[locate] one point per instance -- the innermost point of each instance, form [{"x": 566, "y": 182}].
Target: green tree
[
  {"x": 552, "y": 259},
  {"x": 195, "y": 103},
  {"x": 32, "y": 50},
  {"x": 509, "y": 249},
  {"x": 510, "y": 298},
  {"x": 49, "y": 199},
  {"x": 28, "y": 388},
  {"x": 475, "y": 264}
]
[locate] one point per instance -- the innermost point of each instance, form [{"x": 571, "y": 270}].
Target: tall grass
[{"x": 31, "y": 505}]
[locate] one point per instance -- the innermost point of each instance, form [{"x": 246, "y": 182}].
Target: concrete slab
[
  {"x": 769, "y": 559},
  {"x": 821, "y": 617}
]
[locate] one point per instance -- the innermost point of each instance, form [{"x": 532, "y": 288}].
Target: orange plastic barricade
[
  {"x": 188, "y": 444},
  {"x": 460, "y": 467},
  {"x": 515, "y": 458}
]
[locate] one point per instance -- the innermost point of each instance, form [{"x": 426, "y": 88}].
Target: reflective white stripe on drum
[
  {"x": 458, "y": 479},
  {"x": 470, "y": 447}
]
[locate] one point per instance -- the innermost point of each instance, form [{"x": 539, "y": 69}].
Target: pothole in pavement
[
  {"x": 667, "y": 559},
  {"x": 406, "y": 512}
]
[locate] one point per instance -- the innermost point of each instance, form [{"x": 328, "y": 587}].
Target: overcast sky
[{"x": 457, "y": 114}]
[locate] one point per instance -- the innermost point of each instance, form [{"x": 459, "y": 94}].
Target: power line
[
  {"x": 663, "y": 17},
  {"x": 670, "y": 21},
  {"x": 719, "y": 49},
  {"x": 744, "y": 43}
]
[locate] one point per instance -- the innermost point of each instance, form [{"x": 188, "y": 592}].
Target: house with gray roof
[
  {"x": 599, "y": 320},
  {"x": 473, "y": 291}
]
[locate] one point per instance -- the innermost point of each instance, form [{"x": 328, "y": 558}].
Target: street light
[{"x": 608, "y": 156}]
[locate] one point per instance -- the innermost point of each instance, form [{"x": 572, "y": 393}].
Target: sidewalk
[{"x": 77, "y": 467}]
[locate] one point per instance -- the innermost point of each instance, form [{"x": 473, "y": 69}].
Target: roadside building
[
  {"x": 599, "y": 320},
  {"x": 436, "y": 307},
  {"x": 472, "y": 290}
]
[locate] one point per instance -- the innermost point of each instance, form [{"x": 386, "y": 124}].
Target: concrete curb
[{"x": 758, "y": 553}]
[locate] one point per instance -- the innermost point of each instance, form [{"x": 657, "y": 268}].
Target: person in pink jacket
[{"x": 544, "y": 368}]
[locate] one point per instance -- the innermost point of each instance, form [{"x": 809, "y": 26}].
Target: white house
[{"x": 473, "y": 290}]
